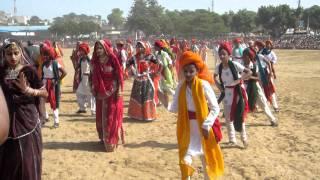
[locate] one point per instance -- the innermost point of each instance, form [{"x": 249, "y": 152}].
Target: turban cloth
[
  {"x": 226, "y": 46},
  {"x": 84, "y": 47},
  {"x": 190, "y": 57}
]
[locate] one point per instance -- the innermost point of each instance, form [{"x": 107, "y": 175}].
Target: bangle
[{"x": 26, "y": 91}]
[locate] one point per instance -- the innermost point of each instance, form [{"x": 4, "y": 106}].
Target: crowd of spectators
[{"x": 298, "y": 42}]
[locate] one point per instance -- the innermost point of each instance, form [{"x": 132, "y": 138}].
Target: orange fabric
[
  {"x": 190, "y": 57},
  {"x": 211, "y": 149}
]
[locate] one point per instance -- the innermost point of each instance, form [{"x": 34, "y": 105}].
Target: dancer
[
  {"x": 20, "y": 155},
  {"x": 107, "y": 85},
  {"x": 84, "y": 95},
  {"x": 204, "y": 52},
  {"x": 166, "y": 87},
  {"x": 75, "y": 62},
  {"x": 198, "y": 109},
  {"x": 58, "y": 53},
  {"x": 266, "y": 75},
  {"x": 237, "y": 51},
  {"x": 52, "y": 74},
  {"x": 142, "y": 105},
  {"x": 253, "y": 88},
  {"x": 233, "y": 93}
]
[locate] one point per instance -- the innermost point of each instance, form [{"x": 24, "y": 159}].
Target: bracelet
[{"x": 31, "y": 92}]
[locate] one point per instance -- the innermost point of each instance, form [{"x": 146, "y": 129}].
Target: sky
[{"x": 48, "y": 9}]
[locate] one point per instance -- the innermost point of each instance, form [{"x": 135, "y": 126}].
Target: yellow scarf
[{"x": 212, "y": 151}]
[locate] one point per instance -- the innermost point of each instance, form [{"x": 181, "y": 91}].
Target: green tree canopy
[
  {"x": 73, "y": 24},
  {"x": 312, "y": 15},
  {"x": 243, "y": 21},
  {"x": 116, "y": 18},
  {"x": 34, "y": 20}
]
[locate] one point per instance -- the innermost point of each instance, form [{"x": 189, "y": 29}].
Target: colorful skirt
[{"x": 142, "y": 105}]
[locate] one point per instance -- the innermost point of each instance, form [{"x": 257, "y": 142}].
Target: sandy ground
[{"x": 290, "y": 151}]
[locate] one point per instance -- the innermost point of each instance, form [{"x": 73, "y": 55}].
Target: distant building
[
  {"x": 22, "y": 20},
  {"x": 4, "y": 18}
]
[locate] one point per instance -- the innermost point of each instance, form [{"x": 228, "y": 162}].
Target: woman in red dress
[{"x": 107, "y": 84}]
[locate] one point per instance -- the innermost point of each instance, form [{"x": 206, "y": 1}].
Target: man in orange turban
[
  {"x": 198, "y": 129},
  {"x": 190, "y": 57}
]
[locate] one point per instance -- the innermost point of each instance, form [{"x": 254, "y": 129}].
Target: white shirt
[
  {"x": 227, "y": 79},
  {"x": 211, "y": 99},
  {"x": 195, "y": 145},
  {"x": 48, "y": 71},
  {"x": 226, "y": 74},
  {"x": 84, "y": 86},
  {"x": 272, "y": 57},
  {"x": 262, "y": 60},
  {"x": 123, "y": 56}
]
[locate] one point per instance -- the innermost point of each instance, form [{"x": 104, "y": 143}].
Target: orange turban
[{"x": 189, "y": 57}]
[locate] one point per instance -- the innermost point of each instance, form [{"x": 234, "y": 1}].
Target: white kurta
[
  {"x": 227, "y": 79},
  {"x": 261, "y": 100},
  {"x": 237, "y": 55},
  {"x": 272, "y": 57},
  {"x": 48, "y": 71},
  {"x": 195, "y": 147},
  {"x": 84, "y": 86}
]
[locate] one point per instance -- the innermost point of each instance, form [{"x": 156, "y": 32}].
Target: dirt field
[{"x": 290, "y": 151}]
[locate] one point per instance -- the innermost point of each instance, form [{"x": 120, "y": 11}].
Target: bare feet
[{"x": 110, "y": 147}]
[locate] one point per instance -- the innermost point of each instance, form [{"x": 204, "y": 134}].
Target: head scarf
[
  {"x": 48, "y": 50},
  {"x": 97, "y": 78},
  {"x": 7, "y": 43},
  {"x": 237, "y": 40},
  {"x": 129, "y": 40},
  {"x": 190, "y": 57},
  {"x": 260, "y": 44},
  {"x": 85, "y": 47},
  {"x": 269, "y": 42},
  {"x": 249, "y": 52},
  {"x": 159, "y": 44},
  {"x": 173, "y": 41},
  {"x": 47, "y": 42},
  {"x": 146, "y": 46},
  {"x": 226, "y": 46},
  {"x": 165, "y": 43}
]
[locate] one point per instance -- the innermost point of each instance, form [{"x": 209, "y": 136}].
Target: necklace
[{"x": 12, "y": 73}]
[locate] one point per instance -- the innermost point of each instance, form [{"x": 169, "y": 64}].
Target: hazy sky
[{"x": 53, "y": 8}]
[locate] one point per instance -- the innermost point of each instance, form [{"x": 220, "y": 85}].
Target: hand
[
  {"x": 274, "y": 76},
  {"x": 205, "y": 133},
  {"x": 21, "y": 82},
  {"x": 235, "y": 82}
]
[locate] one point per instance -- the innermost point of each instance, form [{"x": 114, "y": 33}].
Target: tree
[
  {"x": 145, "y": 15},
  {"x": 34, "y": 20},
  {"x": 73, "y": 24},
  {"x": 243, "y": 21},
  {"x": 227, "y": 19},
  {"x": 276, "y": 20},
  {"x": 312, "y": 15},
  {"x": 116, "y": 18}
]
